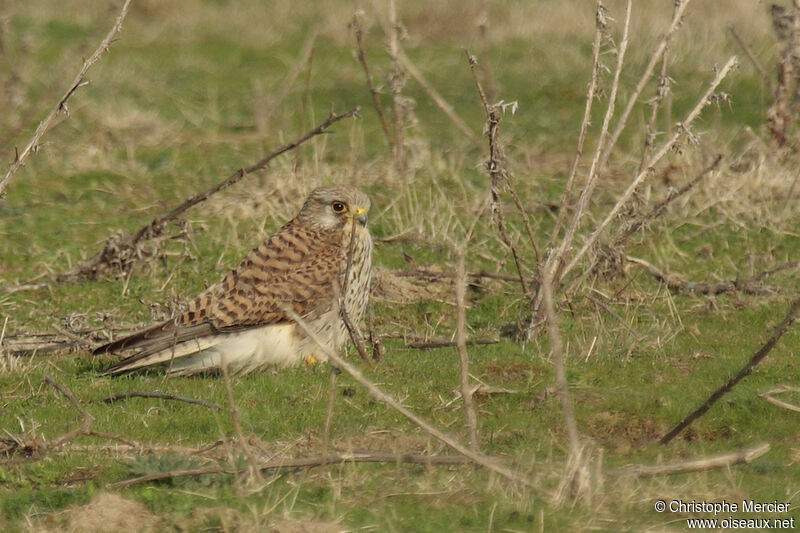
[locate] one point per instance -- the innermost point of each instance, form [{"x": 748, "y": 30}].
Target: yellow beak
[{"x": 360, "y": 214}]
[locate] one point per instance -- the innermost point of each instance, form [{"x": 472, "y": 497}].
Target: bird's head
[{"x": 334, "y": 207}]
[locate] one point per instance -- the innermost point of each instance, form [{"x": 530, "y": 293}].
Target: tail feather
[
  {"x": 177, "y": 355},
  {"x": 159, "y": 344}
]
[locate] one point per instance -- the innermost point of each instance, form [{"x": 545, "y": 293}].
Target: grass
[{"x": 173, "y": 108}]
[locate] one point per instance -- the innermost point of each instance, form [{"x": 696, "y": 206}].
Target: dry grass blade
[
  {"x": 724, "y": 460},
  {"x": 757, "y": 357},
  {"x": 487, "y": 462},
  {"x": 61, "y": 105}
]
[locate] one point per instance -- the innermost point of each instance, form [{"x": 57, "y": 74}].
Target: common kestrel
[{"x": 243, "y": 317}]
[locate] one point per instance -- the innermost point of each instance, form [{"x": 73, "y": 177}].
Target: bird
[{"x": 315, "y": 263}]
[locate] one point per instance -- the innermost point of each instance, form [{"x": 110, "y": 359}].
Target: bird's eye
[{"x": 338, "y": 207}]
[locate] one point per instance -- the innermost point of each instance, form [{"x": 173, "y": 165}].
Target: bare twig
[
  {"x": 255, "y": 473},
  {"x": 494, "y": 166},
  {"x": 557, "y": 349},
  {"x": 443, "y": 342},
  {"x": 160, "y": 395},
  {"x": 487, "y": 462},
  {"x": 326, "y": 429},
  {"x": 622, "y": 200},
  {"x": 753, "y": 59},
  {"x": 677, "y": 17},
  {"x": 770, "y": 397},
  {"x": 600, "y": 28},
  {"x": 396, "y": 82},
  {"x": 61, "y": 105},
  {"x": 85, "y": 426},
  {"x": 93, "y": 265},
  {"x": 724, "y": 460},
  {"x": 434, "y": 274},
  {"x": 362, "y": 58},
  {"x": 757, "y": 357},
  {"x": 677, "y": 283},
  {"x": 558, "y": 256},
  {"x": 470, "y": 419},
  {"x": 659, "y": 208},
  {"x": 77, "y": 338},
  {"x": 662, "y": 92},
  {"x": 303, "y": 462},
  {"x": 440, "y": 102}
]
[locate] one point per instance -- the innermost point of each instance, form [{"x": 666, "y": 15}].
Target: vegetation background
[{"x": 191, "y": 90}]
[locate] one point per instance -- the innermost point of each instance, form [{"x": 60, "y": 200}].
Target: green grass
[{"x": 172, "y": 109}]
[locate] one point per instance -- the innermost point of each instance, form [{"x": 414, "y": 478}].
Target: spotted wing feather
[{"x": 296, "y": 268}]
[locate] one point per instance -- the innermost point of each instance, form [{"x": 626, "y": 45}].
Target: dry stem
[
  {"x": 757, "y": 357},
  {"x": 557, "y": 349},
  {"x": 255, "y": 473},
  {"x": 487, "y": 462},
  {"x": 600, "y": 27},
  {"x": 61, "y": 105},
  {"x": 160, "y": 395},
  {"x": 754, "y": 60},
  {"x": 661, "y": 48},
  {"x": 470, "y": 419},
  {"x": 303, "y": 462},
  {"x": 85, "y": 426},
  {"x": 396, "y": 85},
  {"x": 558, "y": 256},
  {"x": 682, "y": 127},
  {"x": 724, "y": 460},
  {"x": 439, "y": 100},
  {"x": 495, "y": 168},
  {"x": 376, "y": 101}
]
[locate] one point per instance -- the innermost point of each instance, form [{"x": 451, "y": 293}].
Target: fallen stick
[
  {"x": 677, "y": 283},
  {"x": 85, "y": 426},
  {"x": 744, "y": 456},
  {"x": 757, "y": 357},
  {"x": 303, "y": 462},
  {"x": 770, "y": 397},
  {"x": 160, "y": 395}
]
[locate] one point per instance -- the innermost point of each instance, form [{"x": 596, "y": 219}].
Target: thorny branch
[
  {"x": 95, "y": 264},
  {"x": 61, "y": 105}
]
